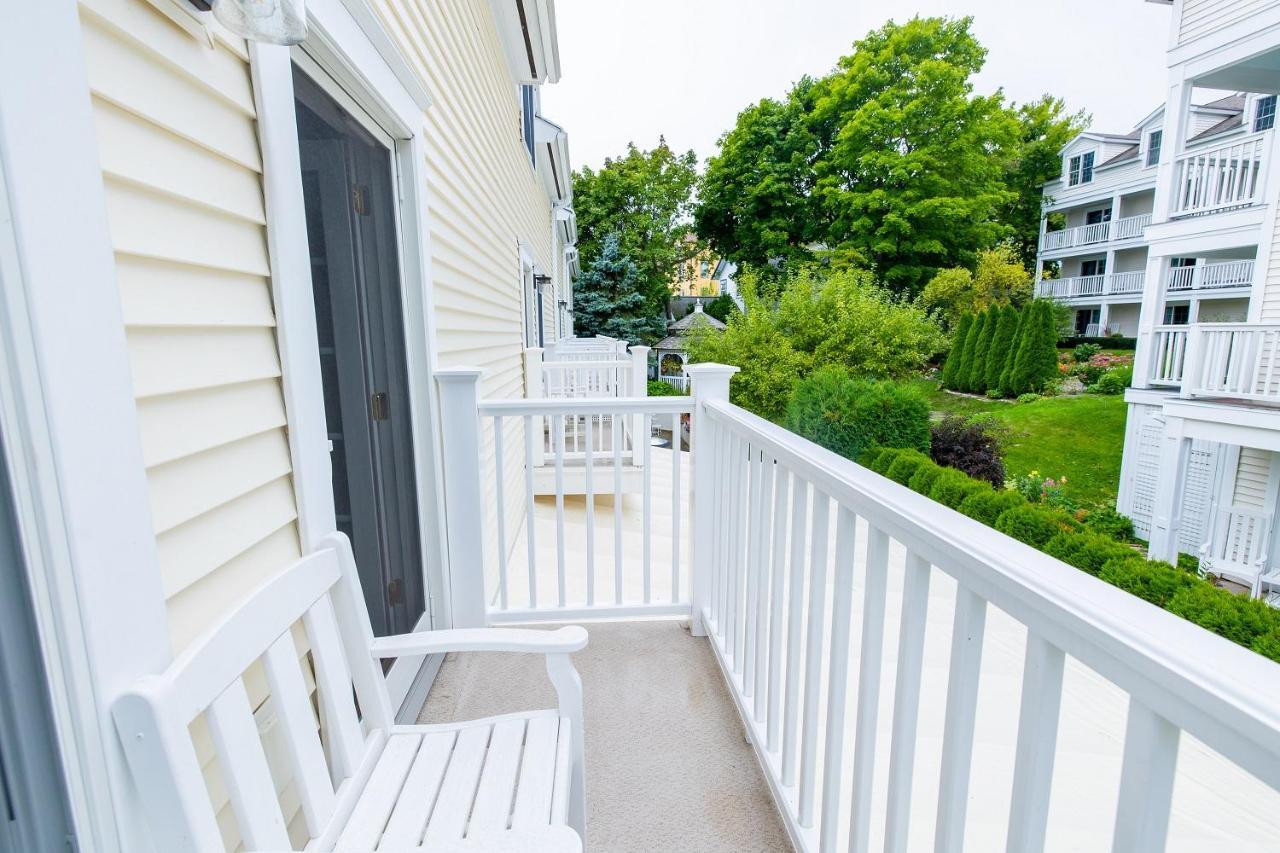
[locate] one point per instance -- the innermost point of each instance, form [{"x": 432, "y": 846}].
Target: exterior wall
[
  {"x": 1223, "y": 310},
  {"x": 176, "y": 135},
  {"x": 690, "y": 281},
  {"x": 1123, "y": 319},
  {"x": 1200, "y": 17},
  {"x": 1253, "y": 474},
  {"x": 485, "y": 197}
]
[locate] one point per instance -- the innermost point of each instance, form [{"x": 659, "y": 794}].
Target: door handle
[{"x": 379, "y": 406}]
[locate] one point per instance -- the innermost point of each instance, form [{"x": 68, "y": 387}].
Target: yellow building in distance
[{"x": 696, "y": 276}]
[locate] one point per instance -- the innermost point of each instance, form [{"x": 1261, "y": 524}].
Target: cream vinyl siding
[
  {"x": 485, "y": 203},
  {"x": 1270, "y": 310},
  {"x": 1200, "y": 17},
  {"x": 177, "y": 138}
]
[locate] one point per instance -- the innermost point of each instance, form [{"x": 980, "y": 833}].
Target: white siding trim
[{"x": 69, "y": 416}]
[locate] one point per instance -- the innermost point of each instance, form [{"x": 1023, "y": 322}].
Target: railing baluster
[
  {"x": 557, "y": 424},
  {"x": 777, "y": 601},
  {"x": 646, "y": 471},
  {"x": 501, "y": 511},
  {"x": 615, "y": 424},
  {"x": 735, "y": 552},
  {"x": 795, "y": 623},
  {"x": 725, "y": 476},
  {"x": 762, "y": 584},
  {"x": 675, "y": 509},
  {"x": 864, "y": 749},
  {"x": 838, "y": 678},
  {"x": 813, "y": 655},
  {"x": 745, "y": 663},
  {"x": 962, "y": 702},
  {"x": 1146, "y": 782},
  {"x": 906, "y": 702},
  {"x": 1037, "y": 745},
  {"x": 588, "y": 422},
  {"x": 529, "y": 524}
]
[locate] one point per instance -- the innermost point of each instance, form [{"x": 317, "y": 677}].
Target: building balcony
[
  {"x": 1093, "y": 286},
  {"x": 1212, "y": 275},
  {"x": 905, "y": 677},
  {"x": 1232, "y": 362},
  {"x": 1219, "y": 179},
  {"x": 1116, "y": 230}
]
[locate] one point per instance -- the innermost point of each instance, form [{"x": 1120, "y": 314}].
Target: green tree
[
  {"x": 1001, "y": 342},
  {"x": 950, "y": 294},
  {"x": 644, "y": 198},
  {"x": 999, "y": 279},
  {"x": 1045, "y": 128},
  {"x": 1036, "y": 364},
  {"x": 769, "y": 364},
  {"x": 951, "y": 370},
  {"x": 1011, "y": 355},
  {"x": 913, "y": 178},
  {"x": 976, "y": 361},
  {"x": 608, "y": 299},
  {"x": 722, "y": 307}
]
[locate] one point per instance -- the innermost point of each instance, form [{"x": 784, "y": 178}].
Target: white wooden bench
[
  {"x": 513, "y": 782},
  {"x": 1239, "y": 546}
]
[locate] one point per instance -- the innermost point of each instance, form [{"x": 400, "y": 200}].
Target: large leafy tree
[
  {"x": 1046, "y": 127},
  {"x": 999, "y": 279},
  {"x": 643, "y": 199},
  {"x": 608, "y": 298}
]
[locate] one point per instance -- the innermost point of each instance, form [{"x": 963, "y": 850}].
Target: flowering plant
[{"x": 1038, "y": 489}]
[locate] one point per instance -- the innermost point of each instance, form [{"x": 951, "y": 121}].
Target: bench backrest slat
[
  {"x": 298, "y": 722},
  {"x": 244, "y": 767}
]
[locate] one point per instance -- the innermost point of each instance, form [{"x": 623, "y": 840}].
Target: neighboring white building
[{"x": 1201, "y": 468}]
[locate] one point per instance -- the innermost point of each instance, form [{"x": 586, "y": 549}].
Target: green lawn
[{"x": 1080, "y": 438}]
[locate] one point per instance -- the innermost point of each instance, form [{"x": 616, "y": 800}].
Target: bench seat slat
[
  {"x": 492, "y": 809},
  {"x": 534, "y": 793},
  {"x": 380, "y": 795},
  {"x": 453, "y": 808},
  {"x": 409, "y": 819}
]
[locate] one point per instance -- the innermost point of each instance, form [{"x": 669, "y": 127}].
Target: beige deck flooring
[{"x": 668, "y": 768}]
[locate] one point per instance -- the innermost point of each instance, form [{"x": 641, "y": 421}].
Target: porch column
[
  {"x": 1150, "y": 315},
  {"x": 639, "y": 388},
  {"x": 1166, "y": 516},
  {"x": 464, "y": 508},
  {"x": 1104, "y": 317},
  {"x": 710, "y": 384}
]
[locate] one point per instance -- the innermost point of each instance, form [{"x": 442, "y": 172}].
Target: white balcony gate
[
  {"x": 1219, "y": 178},
  {"x": 789, "y": 548}
]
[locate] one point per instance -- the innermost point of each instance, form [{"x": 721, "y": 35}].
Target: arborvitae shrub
[
  {"x": 978, "y": 369},
  {"x": 1239, "y": 619},
  {"x": 971, "y": 367},
  {"x": 952, "y": 487},
  {"x": 1010, "y": 356},
  {"x": 950, "y": 370},
  {"x": 1150, "y": 580},
  {"x": 1034, "y": 524},
  {"x": 1108, "y": 522},
  {"x": 923, "y": 479},
  {"x": 1268, "y": 644},
  {"x": 1085, "y": 550},
  {"x": 1001, "y": 341},
  {"x": 848, "y": 415},
  {"x": 1036, "y": 362},
  {"x": 887, "y": 456},
  {"x": 906, "y": 465},
  {"x": 986, "y": 506}
]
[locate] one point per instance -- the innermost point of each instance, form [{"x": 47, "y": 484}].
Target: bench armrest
[{"x": 560, "y": 641}]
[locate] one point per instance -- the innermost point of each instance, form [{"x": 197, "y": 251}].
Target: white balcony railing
[
  {"x": 679, "y": 382},
  {"x": 1169, "y": 352},
  {"x": 1234, "y": 361},
  {"x": 1111, "y": 284},
  {"x": 1206, "y": 276},
  {"x": 1220, "y": 178},
  {"x": 787, "y": 562},
  {"x": 1128, "y": 228}
]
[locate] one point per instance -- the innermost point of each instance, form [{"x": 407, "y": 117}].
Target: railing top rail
[
  {"x": 1238, "y": 327},
  {"x": 1210, "y": 147},
  {"x": 1222, "y": 694},
  {"x": 540, "y": 406},
  {"x": 592, "y": 364}
]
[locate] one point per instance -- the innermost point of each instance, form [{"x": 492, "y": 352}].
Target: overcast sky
[{"x": 634, "y": 69}]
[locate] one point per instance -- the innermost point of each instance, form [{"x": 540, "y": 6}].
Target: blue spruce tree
[{"x": 607, "y": 299}]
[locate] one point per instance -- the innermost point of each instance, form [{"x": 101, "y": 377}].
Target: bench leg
[{"x": 568, "y": 686}]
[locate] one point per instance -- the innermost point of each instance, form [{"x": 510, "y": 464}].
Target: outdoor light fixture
[
  {"x": 270, "y": 21},
  {"x": 541, "y": 280}
]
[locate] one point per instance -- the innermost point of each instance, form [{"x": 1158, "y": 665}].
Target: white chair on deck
[
  {"x": 1239, "y": 547},
  {"x": 507, "y": 783}
]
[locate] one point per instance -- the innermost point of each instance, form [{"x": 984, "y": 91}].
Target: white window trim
[
  {"x": 348, "y": 44},
  {"x": 70, "y": 421}
]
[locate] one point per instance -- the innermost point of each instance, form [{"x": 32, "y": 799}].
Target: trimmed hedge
[
  {"x": 952, "y": 487},
  {"x": 987, "y": 506},
  {"x": 1150, "y": 580},
  {"x": 1105, "y": 343},
  {"x": 906, "y": 465},
  {"x": 1108, "y": 522},
  {"x": 925, "y": 476},
  {"x": 1239, "y": 619},
  {"x": 879, "y": 459},
  {"x": 848, "y": 415},
  {"x": 1035, "y": 524},
  {"x": 1268, "y": 645},
  {"x": 1086, "y": 550}
]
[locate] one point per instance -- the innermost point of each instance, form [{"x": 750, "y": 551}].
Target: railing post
[
  {"x": 1192, "y": 360},
  {"x": 1166, "y": 516},
  {"x": 464, "y": 527},
  {"x": 535, "y": 389},
  {"x": 639, "y": 388},
  {"x": 710, "y": 384}
]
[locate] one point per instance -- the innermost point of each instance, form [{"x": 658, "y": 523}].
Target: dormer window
[
  {"x": 1153, "y": 146},
  {"x": 1264, "y": 116},
  {"x": 527, "y": 110},
  {"x": 1080, "y": 169}
]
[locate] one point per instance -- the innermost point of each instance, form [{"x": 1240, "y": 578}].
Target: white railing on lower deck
[
  {"x": 1219, "y": 178},
  {"x": 1126, "y": 282},
  {"x": 1131, "y": 227},
  {"x": 1092, "y": 285},
  {"x": 1169, "y": 352},
  {"x": 1206, "y": 276},
  {"x": 585, "y": 349},
  {"x": 680, "y": 382},
  {"x": 794, "y": 587},
  {"x": 605, "y": 374},
  {"x": 1236, "y": 361}
]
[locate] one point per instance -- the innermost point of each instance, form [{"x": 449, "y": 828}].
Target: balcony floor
[{"x": 668, "y": 767}]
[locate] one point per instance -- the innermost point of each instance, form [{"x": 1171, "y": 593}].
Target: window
[
  {"x": 1095, "y": 267},
  {"x": 526, "y": 117},
  {"x": 1080, "y": 169},
  {"x": 1095, "y": 217},
  {"x": 1182, "y": 262},
  {"x": 1153, "y": 146},
  {"x": 1264, "y": 117},
  {"x": 1177, "y": 315},
  {"x": 703, "y": 269}
]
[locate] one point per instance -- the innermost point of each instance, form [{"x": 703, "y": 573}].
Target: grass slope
[{"x": 1080, "y": 438}]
